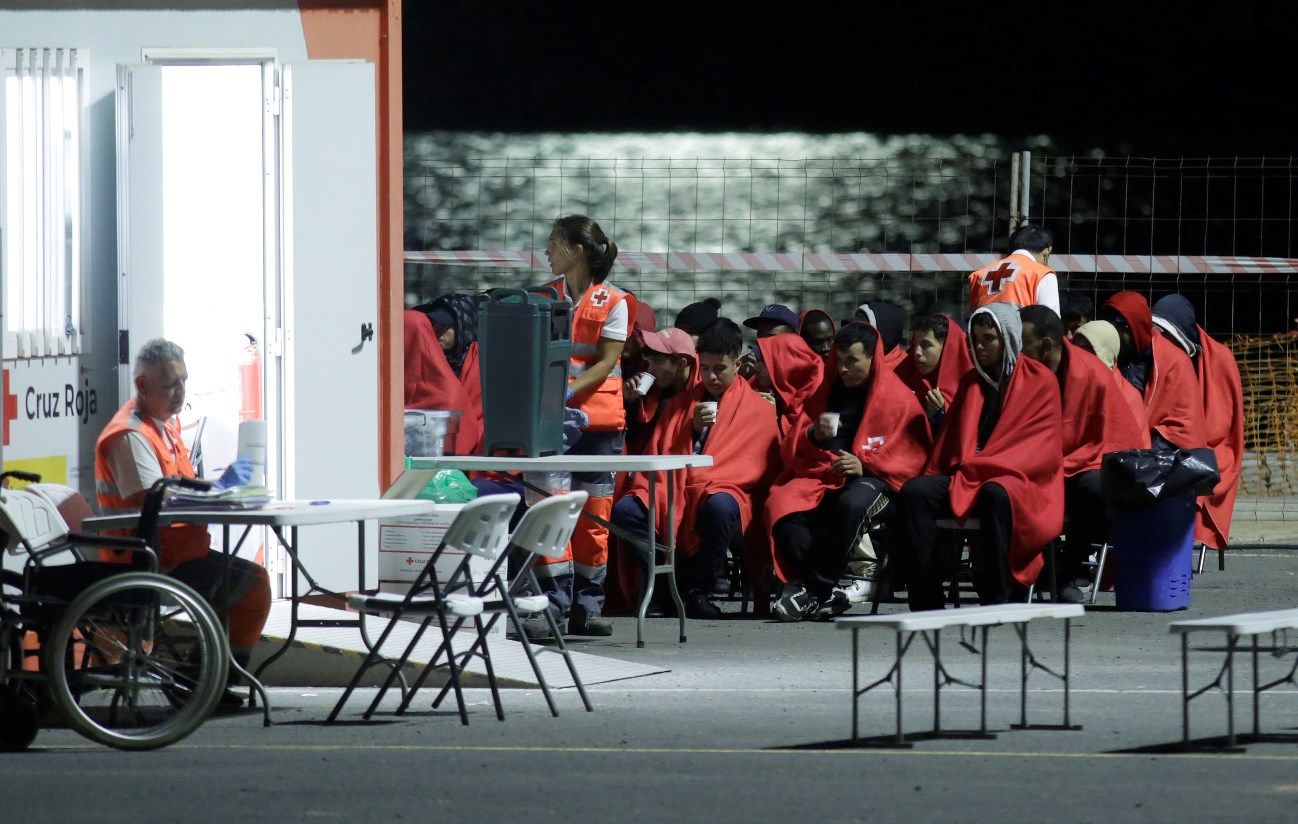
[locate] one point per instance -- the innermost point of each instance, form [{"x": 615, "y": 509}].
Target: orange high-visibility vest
[
  {"x": 180, "y": 542},
  {"x": 604, "y": 403},
  {"x": 1009, "y": 280}
]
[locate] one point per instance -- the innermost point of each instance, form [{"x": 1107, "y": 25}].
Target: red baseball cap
[{"x": 669, "y": 341}]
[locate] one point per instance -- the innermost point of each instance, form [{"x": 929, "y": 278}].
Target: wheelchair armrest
[{"x": 135, "y": 546}]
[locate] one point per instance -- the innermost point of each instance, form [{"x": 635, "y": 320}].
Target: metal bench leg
[
  {"x": 982, "y": 687},
  {"x": 1185, "y": 690},
  {"x": 856, "y": 695},
  {"x": 1068, "y": 643},
  {"x": 937, "y": 680},
  {"x": 1023, "y": 674},
  {"x": 1257, "y": 719},
  {"x": 901, "y": 739},
  {"x": 1203, "y": 552},
  {"x": 1221, "y": 559},
  {"x": 1230, "y": 689},
  {"x": 1099, "y": 572}
]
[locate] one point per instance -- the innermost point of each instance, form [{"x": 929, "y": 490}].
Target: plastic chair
[
  {"x": 481, "y": 529},
  {"x": 543, "y": 533}
]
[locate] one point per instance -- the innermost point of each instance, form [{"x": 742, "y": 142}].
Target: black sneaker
[
  {"x": 835, "y": 605},
  {"x": 795, "y": 606},
  {"x": 698, "y": 605},
  {"x": 581, "y": 623},
  {"x": 1074, "y": 592}
]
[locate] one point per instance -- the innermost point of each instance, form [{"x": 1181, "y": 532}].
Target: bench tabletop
[
  {"x": 1244, "y": 623},
  {"x": 966, "y": 616}
]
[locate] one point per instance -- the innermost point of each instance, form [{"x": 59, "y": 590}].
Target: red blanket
[
  {"x": 895, "y": 357},
  {"x": 430, "y": 383},
  {"x": 1135, "y": 402},
  {"x": 743, "y": 444},
  {"x": 950, "y": 369},
  {"x": 1172, "y": 398},
  {"x": 892, "y": 442},
  {"x": 1023, "y": 455},
  {"x": 1223, "y": 417},
  {"x": 471, "y": 380},
  {"x": 1096, "y": 418},
  {"x": 796, "y": 372}
]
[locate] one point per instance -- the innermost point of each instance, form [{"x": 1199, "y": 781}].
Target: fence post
[
  {"x": 1025, "y": 187},
  {"x": 1014, "y": 191}
]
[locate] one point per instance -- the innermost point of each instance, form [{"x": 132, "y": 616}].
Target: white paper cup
[
  {"x": 709, "y": 406},
  {"x": 642, "y": 383},
  {"x": 830, "y": 419}
]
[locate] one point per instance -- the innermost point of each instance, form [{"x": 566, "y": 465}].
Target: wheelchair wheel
[{"x": 137, "y": 661}]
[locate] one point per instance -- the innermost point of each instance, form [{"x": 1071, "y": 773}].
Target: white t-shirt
[
  {"x": 133, "y": 462},
  {"x": 615, "y": 324},
  {"x": 1047, "y": 287}
]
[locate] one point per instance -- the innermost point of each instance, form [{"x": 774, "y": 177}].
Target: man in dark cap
[
  {"x": 775, "y": 319},
  {"x": 890, "y": 319},
  {"x": 696, "y": 317}
]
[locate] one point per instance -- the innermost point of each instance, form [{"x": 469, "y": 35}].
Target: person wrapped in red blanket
[
  {"x": 936, "y": 361},
  {"x": 787, "y": 368},
  {"x": 455, "y": 322},
  {"x": 890, "y": 319},
  {"x": 817, "y": 328},
  {"x": 1223, "y": 412},
  {"x": 999, "y": 458},
  {"x": 1096, "y": 420},
  {"x": 431, "y": 384},
  {"x": 671, "y": 366},
  {"x": 1159, "y": 370},
  {"x": 727, "y": 419},
  {"x": 843, "y": 461}
]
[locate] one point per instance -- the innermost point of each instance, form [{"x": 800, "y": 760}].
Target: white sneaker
[{"x": 857, "y": 590}]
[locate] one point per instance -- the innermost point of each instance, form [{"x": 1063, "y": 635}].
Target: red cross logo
[
  {"x": 10, "y": 407},
  {"x": 994, "y": 280},
  {"x": 410, "y": 561},
  {"x": 599, "y": 297}
]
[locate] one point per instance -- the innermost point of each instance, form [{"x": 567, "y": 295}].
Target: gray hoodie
[{"x": 1007, "y": 320}]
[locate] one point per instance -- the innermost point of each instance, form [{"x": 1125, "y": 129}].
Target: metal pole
[
  {"x": 901, "y": 739},
  {"x": 937, "y": 680},
  {"x": 1230, "y": 690},
  {"x": 1257, "y": 725},
  {"x": 1068, "y": 639},
  {"x": 856, "y": 695},
  {"x": 1025, "y": 187},
  {"x": 1023, "y": 674},
  {"x": 982, "y": 690},
  {"x": 1014, "y": 191},
  {"x": 1185, "y": 690}
]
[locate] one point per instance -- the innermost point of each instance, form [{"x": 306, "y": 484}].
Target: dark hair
[
  {"x": 862, "y": 333},
  {"x": 1045, "y": 323},
  {"x": 599, "y": 251},
  {"x": 696, "y": 317},
  {"x": 937, "y": 324},
  {"x": 724, "y": 337},
  {"x": 1031, "y": 237},
  {"x": 1076, "y": 305}
]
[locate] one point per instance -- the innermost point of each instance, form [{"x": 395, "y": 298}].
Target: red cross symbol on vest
[
  {"x": 599, "y": 297},
  {"x": 1003, "y": 273}
]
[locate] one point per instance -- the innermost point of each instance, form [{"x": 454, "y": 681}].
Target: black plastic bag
[{"x": 1137, "y": 478}]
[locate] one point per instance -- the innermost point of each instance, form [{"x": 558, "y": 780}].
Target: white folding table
[
  {"x": 279, "y": 515},
  {"x": 420, "y": 470}
]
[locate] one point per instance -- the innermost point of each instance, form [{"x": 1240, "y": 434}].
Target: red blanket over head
[
  {"x": 1172, "y": 397},
  {"x": 744, "y": 447},
  {"x": 950, "y": 369},
  {"x": 1096, "y": 418},
  {"x": 1023, "y": 455},
  {"x": 892, "y": 442},
  {"x": 895, "y": 357},
  {"x": 472, "y": 382},
  {"x": 430, "y": 383},
  {"x": 1223, "y": 418},
  {"x": 796, "y": 373}
]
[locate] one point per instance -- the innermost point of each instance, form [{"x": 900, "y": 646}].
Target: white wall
[{"x": 110, "y": 37}]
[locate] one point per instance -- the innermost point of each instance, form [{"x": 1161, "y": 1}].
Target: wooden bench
[
  {"x": 1277, "y": 623},
  {"x": 928, "y": 626}
]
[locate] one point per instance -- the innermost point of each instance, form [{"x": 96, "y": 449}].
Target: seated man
[
  {"x": 430, "y": 383},
  {"x": 890, "y": 319},
  {"x": 1158, "y": 369},
  {"x": 840, "y": 476},
  {"x": 673, "y": 363},
  {"x": 696, "y": 317},
  {"x": 1078, "y": 309},
  {"x": 1223, "y": 412},
  {"x": 725, "y": 418},
  {"x": 786, "y": 368},
  {"x": 936, "y": 361},
  {"x": 1096, "y": 420},
  {"x": 1100, "y": 338},
  {"x": 998, "y": 458},
  {"x": 817, "y": 328},
  {"x": 773, "y": 320},
  {"x": 141, "y": 444}
]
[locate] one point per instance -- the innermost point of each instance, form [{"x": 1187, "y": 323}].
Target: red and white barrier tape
[{"x": 866, "y": 262}]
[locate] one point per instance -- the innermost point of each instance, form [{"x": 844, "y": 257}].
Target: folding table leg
[
  {"x": 491, "y": 670},
  {"x": 1257, "y": 717},
  {"x": 856, "y": 694},
  {"x": 901, "y": 739},
  {"x": 1185, "y": 690},
  {"x": 671, "y": 552},
  {"x": 651, "y": 477}
]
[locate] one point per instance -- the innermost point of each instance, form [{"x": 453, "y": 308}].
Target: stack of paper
[{"x": 236, "y": 497}]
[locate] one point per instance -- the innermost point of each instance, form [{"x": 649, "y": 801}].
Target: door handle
[{"x": 367, "y": 333}]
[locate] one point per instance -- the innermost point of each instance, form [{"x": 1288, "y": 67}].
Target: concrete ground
[{"x": 749, "y": 725}]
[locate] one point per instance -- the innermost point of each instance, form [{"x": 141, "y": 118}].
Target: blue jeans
[{"x": 717, "y": 525}]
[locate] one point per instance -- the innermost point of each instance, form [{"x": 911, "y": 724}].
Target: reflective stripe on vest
[
  {"x": 1009, "y": 280},
  {"x": 604, "y": 403}
]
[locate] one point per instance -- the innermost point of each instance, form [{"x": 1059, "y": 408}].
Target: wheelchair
[{"x": 123, "y": 655}]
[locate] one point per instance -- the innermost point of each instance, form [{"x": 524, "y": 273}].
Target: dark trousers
[
  {"x": 921, "y": 502},
  {"x": 815, "y": 544},
  {"x": 717, "y": 525},
  {"x": 1087, "y": 523}
]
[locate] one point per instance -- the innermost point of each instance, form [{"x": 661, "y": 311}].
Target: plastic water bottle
[{"x": 554, "y": 483}]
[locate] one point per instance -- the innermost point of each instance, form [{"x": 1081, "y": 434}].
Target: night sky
[{"x": 1144, "y": 77}]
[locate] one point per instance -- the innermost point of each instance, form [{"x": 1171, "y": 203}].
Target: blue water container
[{"x": 1154, "y": 551}]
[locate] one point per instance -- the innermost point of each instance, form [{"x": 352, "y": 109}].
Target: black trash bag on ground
[{"x": 1136, "y": 478}]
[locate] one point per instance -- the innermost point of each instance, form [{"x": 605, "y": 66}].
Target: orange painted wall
[{"x": 350, "y": 30}]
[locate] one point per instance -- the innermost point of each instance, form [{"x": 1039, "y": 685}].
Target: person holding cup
[
  {"x": 859, "y": 440},
  {"x": 721, "y": 416},
  {"x": 671, "y": 367}
]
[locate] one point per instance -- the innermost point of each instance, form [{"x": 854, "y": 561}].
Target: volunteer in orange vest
[
  {"x": 582, "y": 256},
  {"x": 1023, "y": 278},
  {"x": 141, "y": 444}
]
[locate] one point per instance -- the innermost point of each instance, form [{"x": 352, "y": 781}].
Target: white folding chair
[
  {"x": 481, "y": 529},
  {"x": 543, "y": 532}
]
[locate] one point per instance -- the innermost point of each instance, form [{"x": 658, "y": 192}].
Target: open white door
[
  {"x": 330, "y": 302},
  {"x": 139, "y": 214}
]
